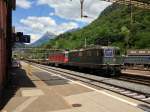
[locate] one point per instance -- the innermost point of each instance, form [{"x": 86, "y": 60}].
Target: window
[
  {"x": 108, "y": 53},
  {"x": 89, "y": 53},
  {"x": 80, "y": 53},
  {"x": 97, "y": 53}
]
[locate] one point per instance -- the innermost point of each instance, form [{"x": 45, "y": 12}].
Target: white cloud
[
  {"x": 51, "y": 14},
  {"x": 24, "y": 4},
  {"x": 34, "y": 37},
  {"x": 71, "y": 9},
  {"x": 37, "y": 26},
  {"x": 38, "y": 23}
]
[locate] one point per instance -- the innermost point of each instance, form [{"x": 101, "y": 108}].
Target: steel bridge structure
[{"x": 144, "y": 4}]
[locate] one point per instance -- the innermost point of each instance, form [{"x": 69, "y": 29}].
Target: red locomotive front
[{"x": 61, "y": 57}]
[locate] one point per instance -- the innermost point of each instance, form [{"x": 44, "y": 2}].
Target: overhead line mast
[{"x": 136, "y": 3}]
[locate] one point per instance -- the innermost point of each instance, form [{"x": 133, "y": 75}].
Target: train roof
[
  {"x": 140, "y": 52},
  {"x": 96, "y": 47},
  {"x": 101, "y": 47}
]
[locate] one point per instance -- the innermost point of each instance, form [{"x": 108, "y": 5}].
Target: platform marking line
[
  {"x": 25, "y": 104},
  {"x": 99, "y": 91}
]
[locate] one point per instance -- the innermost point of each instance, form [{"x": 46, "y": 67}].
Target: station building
[{"x": 6, "y": 8}]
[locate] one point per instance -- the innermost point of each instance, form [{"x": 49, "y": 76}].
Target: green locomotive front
[{"x": 103, "y": 58}]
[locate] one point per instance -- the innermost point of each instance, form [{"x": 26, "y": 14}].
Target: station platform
[{"x": 35, "y": 90}]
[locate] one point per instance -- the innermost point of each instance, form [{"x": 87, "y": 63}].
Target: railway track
[
  {"x": 140, "y": 69},
  {"x": 135, "y": 79},
  {"x": 94, "y": 81}
]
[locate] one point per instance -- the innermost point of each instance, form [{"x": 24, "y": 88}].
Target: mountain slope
[
  {"x": 113, "y": 27},
  {"x": 44, "y": 39}
]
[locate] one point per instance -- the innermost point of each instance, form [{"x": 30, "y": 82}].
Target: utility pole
[
  {"x": 131, "y": 24},
  {"x": 85, "y": 43},
  {"x": 131, "y": 21},
  {"x": 131, "y": 13}
]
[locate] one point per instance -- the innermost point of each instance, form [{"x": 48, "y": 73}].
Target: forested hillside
[{"x": 113, "y": 27}]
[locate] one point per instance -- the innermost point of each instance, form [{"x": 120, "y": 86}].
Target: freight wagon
[{"x": 139, "y": 58}]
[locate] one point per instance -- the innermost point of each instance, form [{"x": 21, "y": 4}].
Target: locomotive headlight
[{"x": 114, "y": 59}]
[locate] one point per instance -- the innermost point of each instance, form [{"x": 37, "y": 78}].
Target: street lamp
[{"x": 82, "y": 3}]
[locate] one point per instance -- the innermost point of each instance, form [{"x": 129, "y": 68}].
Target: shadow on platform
[
  {"x": 50, "y": 80},
  {"x": 18, "y": 79}
]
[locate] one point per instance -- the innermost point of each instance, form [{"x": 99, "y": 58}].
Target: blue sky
[{"x": 35, "y": 17}]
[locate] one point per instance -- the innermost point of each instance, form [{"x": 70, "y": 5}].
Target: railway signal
[
  {"x": 26, "y": 39},
  {"x": 20, "y": 37}
]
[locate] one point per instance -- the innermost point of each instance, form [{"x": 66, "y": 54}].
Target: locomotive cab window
[
  {"x": 89, "y": 53},
  {"x": 80, "y": 53},
  {"x": 97, "y": 53}
]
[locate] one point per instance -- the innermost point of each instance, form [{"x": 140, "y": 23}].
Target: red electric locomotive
[{"x": 58, "y": 58}]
